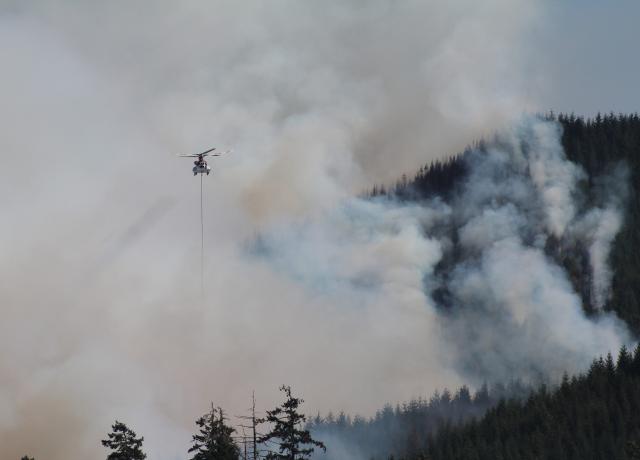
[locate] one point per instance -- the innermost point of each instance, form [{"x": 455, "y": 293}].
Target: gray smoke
[
  {"x": 521, "y": 196},
  {"x": 511, "y": 310},
  {"x": 100, "y": 302}
]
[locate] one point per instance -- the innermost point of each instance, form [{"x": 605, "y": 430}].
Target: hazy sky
[
  {"x": 587, "y": 56},
  {"x": 100, "y": 310}
]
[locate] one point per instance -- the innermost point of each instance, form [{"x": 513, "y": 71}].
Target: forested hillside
[
  {"x": 593, "y": 416},
  {"x": 598, "y": 145},
  {"x": 406, "y": 429},
  {"x": 590, "y": 416}
]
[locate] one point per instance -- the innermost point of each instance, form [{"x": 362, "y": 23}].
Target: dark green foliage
[
  {"x": 633, "y": 450},
  {"x": 288, "y": 431},
  {"x": 215, "y": 441},
  {"x": 599, "y": 146},
  {"x": 26, "y": 457},
  {"x": 593, "y": 416},
  {"x": 405, "y": 429},
  {"x": 124, "y": 444},
  {"x": 437, "y": 178}
]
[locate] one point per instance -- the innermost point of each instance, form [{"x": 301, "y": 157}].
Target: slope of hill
[
  {"x": 407, "y": 428},
  {"x": 598, "y": 145},
  {"x": 592, "y": 416}
]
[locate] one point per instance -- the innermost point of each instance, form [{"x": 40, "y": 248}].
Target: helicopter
[{"x": 200, "y": 165}]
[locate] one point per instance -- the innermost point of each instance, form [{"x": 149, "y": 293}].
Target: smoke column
[{"x": 306, "y": 285}]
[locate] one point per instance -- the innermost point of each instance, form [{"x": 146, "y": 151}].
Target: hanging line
[{"x": 201, "y": 242}]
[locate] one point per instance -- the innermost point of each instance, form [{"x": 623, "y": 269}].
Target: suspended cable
[
  {"x": 201, "y": 242},
  {"x": 202, "y": 168}
]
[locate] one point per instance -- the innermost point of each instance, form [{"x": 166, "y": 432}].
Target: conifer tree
[
  {"x": 124, "y": 444},
  {"x": 215, "y": 441},
  {"x": 288, "y": 430}
]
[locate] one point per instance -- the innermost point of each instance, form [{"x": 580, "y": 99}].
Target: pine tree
[
  {"x": 124, "y": 444},
  {"x": 288, "y": 430},
  {"x": 215, "y": 441},
  {"x": 26, "y": 457}
]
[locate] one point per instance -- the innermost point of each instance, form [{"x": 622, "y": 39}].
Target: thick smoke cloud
[
  {"x": 511, "y": 310},
  {"x": 100, "y": 302},
  {"x": 515, "y": 312}
]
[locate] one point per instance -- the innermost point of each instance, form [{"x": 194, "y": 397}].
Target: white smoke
[
  {"x": 101, "y": 315},
  {"x": 513, "y": 311},
  {"x": 526, "y": 319}
]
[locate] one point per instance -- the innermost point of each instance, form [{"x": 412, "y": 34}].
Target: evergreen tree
[
  {"x": 26, "y": 457},
  {"x": 215, "y": 441},
  {"x": 288, "y": 430},
  {"x": 124, "y": 444},
  {"x": 591, "y": 416}
]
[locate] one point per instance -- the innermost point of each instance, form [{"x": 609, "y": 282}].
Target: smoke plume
[
  {"x": 305, "y": 285},
  {"x": 510, "y": 309}
]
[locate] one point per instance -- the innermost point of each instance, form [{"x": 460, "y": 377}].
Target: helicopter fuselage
[{"x": 201, "y": 168}]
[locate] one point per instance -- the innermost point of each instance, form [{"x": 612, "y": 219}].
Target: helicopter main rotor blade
[
  {"x": 207, "y": 151},
  {"x": 221, "y": 153},
  {"x": 204, "y": 154}
]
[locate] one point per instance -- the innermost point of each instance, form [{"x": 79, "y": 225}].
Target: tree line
[
  {"x": 287, "y": 437},
  {"x": 592, "y": 416},
  {"x": 405, "y": 428}
]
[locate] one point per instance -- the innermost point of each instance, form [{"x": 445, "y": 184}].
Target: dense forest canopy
[
  {"x": 592, "y": 416},
  {"x": 595, "y": 415}
]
